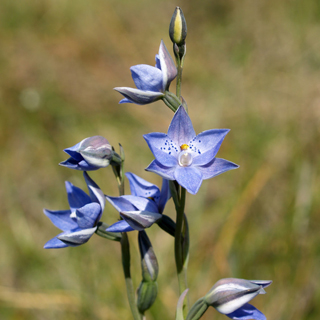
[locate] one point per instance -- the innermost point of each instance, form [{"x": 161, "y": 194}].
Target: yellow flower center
[{"x": 184, "y": 147}]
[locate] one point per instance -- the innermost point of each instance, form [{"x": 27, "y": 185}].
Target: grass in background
[{"x": 252, "y": 66}]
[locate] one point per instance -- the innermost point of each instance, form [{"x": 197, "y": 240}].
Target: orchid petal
[
  {"x": 55, "y": 243},
  {"x": 181, "y": 129},
  {"x": 147, "y": 78},
  {"x": 142, "y": 188},
  {"x": 77, "y": 237},
  {"x": 96, "y": 193},
  {"x": 164, "y": 172},
  {"x": 88, "y": 215},
  {"x": 142, "y": 204},
  {"x": 125, "y": 100},
  {"x": 216, "y": 167},
  {"x": 139, "y": 220},
  {"x": 163, "y": 148},
  {"x": 77, "y": 198},
  {"x": 61, "y": 219},
  {"x": 247, "y": 312},
  {"x": 210, "y": 139},
  {"x": 206, "y": 145},
  {"x": 158, "y": 65},
  {"x": 165, "y": 195},
  {"x": 139, "y": 96},
  {"x": 74, "y": 152},
  {"x": 71, "y": 163},
  {"x": 168, "y": 68},
  {"x": 96, "y": 151},
  {"x": 121, "y": 204},
  {"x": 263, "y": 283},
  {"x": 189, "y": 178},
  {"x": 120, "y": 226}
]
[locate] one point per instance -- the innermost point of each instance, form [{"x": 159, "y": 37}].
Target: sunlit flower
[
  {"x": 142, "y": 208},
  {"x": 79, "y": 222},
  {"x": 231, "y": 296},
  {"x": 90, "y": 154},
  {"x": 151, "y": 82},
  {"x": 183, "y": 156}
]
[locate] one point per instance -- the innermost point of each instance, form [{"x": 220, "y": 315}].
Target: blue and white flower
[
  {"x": 151, "y": 82},
  {"x": 183, "y": 156},
  {"x": 142, "y": 208},
  {"x": 79, "y": 222},
  {"x": 90, "y": 154},
  {"x": 231, "y": 296}
]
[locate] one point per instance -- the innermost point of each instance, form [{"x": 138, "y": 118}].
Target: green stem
[
  {"x": 125, "y": 249},
  {"x": 179, "y": 79},
  {"x": 179, "y": 255}
]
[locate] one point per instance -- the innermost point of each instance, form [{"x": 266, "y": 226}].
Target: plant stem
[
  {"x": 179, "y": 255},
  {"x": 179, "y": 80},
  {"x": 125, "y": 249}
]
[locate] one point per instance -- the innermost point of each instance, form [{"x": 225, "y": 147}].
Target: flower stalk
[
  {"x": 125, "y": 246},
  {"x": 181, "y": 237}
]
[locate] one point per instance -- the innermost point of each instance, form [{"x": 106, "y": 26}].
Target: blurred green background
[{"x": 252, "y": 66}]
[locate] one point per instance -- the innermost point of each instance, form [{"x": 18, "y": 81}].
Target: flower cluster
[{"x": 183, "y": 159}]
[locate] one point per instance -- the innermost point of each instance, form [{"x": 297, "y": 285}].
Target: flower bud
[
  {"x": 178, "y": 27},
  {"x": 147, "y": 294},
  {"x": 230, "y": 294},
  {"x": 149, "y": 263},
  {"x": 96, "y": 151},
  {"x": 90, "y": 154}
]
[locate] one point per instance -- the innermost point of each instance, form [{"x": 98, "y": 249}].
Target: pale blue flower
[
  {"x": 151, "y": 82},
  {"x": 231, "y": 296},
  {"x": 183, "y": 156},
  {"x": 79, "y": 222},
  {"x": 142, "y": 208},
  {"x": 90, "y": 154}
]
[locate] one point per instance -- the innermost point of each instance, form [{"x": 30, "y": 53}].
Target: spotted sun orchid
[
  {"x": 183, "y": 156},
  {"x": 142, "y": 208},
  {"x": 151, "y": 82},
  {"x": 78, "y": 223},
  {"x": 231, "y": 296},
  {"x": 90, "y": 154}
]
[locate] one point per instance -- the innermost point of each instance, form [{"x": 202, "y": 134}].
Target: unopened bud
[
  {"x": 149, "y": 263},
  {"x": 178, "y": 27},
  {"x": 230, "y": 294},
  {"x": 147, "y": 294},
  {"x": 96, "y": 151}
]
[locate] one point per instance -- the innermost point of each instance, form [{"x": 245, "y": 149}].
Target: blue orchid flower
[
  {"x": 78, "y": 223},
  {"x": 142, "y": 208},
  {"x": 183, "y": 156},
  {"x": 90, "y": 154},
  {"x": 151, "y": 82},
  {"x": 231, "y": 296}
]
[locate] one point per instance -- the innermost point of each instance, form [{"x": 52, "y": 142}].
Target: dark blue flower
[
  {"x": 90, "y": 154},
  {"x": 142, "y": 208},
  {"x": 231, "y": 296},
  {"x": 79, "y": 222},
  {"x": 151, "y": 82},
  {"x": 183, "y": 156}
]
